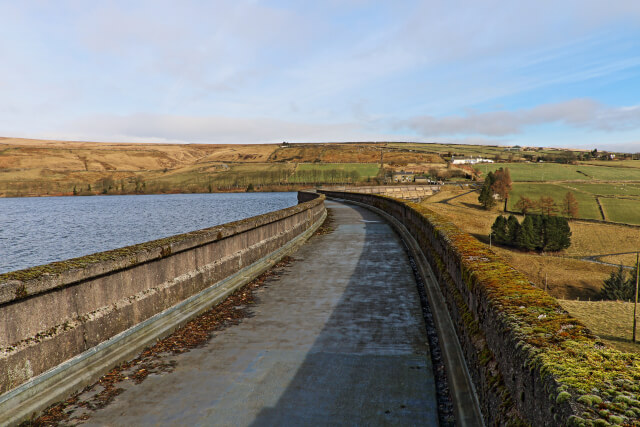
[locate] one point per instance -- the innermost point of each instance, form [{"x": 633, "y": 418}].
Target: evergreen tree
[
  {"x": 564, "y": 233},
  {"x": 513, "y": 229},
  {"x": 538, "y": 232},
  {"x": 499, "y": 230},
  {"x": 617, "y": 287},
  {"x": 550, "y": 233},
  {"x": 486, "y": 198},
  {"x": 526, "y": 237},
  {"x": 557, "y": 234}
]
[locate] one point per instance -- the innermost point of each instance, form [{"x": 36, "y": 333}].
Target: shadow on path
[{"x": 370, "y": 363}]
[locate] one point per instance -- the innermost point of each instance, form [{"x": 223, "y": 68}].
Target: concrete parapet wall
[
  {"x": 55, "y": 312},
  {"x": 407, "y": 192},
  {"x": 531, "y": 363}
]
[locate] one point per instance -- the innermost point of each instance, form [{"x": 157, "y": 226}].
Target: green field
[
  {"x": 561, "y": 172},
  {"x": 610, "y": 173},
  {"x": 588, "y": 207},
  {"x": 224, "y": 177},
  {"x": 621, "y": 210},
  {"x": 607, "y": 189},
  {"x": 614, "y": 164},
  {"x": 487, "y": 151},
  {"x": 610, "y": 320},
  {"x": 334, "y": 172},
  {"x": 621, "y": 202}
]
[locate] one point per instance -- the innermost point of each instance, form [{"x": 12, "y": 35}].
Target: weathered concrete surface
[
  {"x": 407, "y": 192},
  {"x": 338, "y": 339},
  {"x": 67, "y": 319},
  {"x": 55, "y": 312}
]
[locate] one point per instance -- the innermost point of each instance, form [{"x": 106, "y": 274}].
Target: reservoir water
[{"x": 40, "y": 230}]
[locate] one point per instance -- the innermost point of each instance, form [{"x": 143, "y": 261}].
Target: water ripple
[{"x": 40, "y": 230}]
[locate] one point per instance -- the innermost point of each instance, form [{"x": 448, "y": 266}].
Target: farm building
[
  {"x": 403, "y": 177},
  {"x": 470, "y": 160}
]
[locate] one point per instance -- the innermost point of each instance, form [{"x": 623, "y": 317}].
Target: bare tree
[
  {"x": 547, "y": 206},
  {"x": 570, "y": 205},
  {"x": 525, "y": 204},
  {"x": 502, "y": 185}
]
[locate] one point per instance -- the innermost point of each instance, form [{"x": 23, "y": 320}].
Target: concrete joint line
[
  {"x": 56, "y": 384},
  {"x": 465, "y": 399}
]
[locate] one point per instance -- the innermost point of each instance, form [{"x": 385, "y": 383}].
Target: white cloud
[
  {"x": 213, "y": 129},
  {"x": 334, "y": 70},
  {"x": 579, "y": 113}
]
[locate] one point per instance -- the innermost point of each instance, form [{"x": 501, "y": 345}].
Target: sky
[{"x": 534, "y": 73}]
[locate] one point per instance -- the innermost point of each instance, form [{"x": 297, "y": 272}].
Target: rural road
[{"x": 337, "y": 339}]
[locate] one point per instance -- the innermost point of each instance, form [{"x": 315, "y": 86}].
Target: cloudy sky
[{"x": 546, "y": 73}]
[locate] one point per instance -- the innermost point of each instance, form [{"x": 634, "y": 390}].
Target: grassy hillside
[
  {"x": 40, "y": 168},
  {"x": 334, "y": 172},
  {"x": 605, "y": 190},
  {"x": 610, "y": 320},
  {"x": 564, "y": 172},
  {"x": 570, "y": 275},
  {"x": 493, "y": 152},
  {"x": 588, "y": 207}
]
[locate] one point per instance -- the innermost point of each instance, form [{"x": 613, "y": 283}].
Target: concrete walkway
[{"x": 337, "y": 339}]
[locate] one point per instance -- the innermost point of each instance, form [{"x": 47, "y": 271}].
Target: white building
[{"x": 469, "y": 160}]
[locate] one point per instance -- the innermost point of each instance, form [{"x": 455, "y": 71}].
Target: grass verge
[{"x": 610, "y": 320}]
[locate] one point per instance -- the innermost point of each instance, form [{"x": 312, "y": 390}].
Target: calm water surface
[{"x": 40, "y": 230}]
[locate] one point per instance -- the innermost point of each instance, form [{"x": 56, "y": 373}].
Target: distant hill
[
  {"x": 39, "y": 167},
  {"x": 30, "y": 167}
]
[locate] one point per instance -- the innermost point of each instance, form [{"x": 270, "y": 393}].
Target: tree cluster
[
  {"x": 546, "y": 205},
  {"x": 620, "y": 287},
  {"x": 537, "y": 232},
  {"x": 329, "y": 176},
  {"x": 497, "y": 185}
]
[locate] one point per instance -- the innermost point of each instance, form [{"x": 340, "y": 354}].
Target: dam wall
[
  {"x": 65, "y": 323},
  {"x": 531, "y": 362}
]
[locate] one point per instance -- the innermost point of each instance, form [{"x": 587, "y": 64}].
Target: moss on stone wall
[
  {"x": 599, "y": 385},
  {"x": 557, "y": 344}
]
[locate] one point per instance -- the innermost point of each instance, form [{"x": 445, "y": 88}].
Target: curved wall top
[{"x": 529, "y": 359}]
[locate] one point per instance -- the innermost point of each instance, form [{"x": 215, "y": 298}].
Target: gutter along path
[{"x": 337, "y": 339}]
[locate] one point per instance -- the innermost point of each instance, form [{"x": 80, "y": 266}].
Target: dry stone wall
[{"x": 531, "y": 362}]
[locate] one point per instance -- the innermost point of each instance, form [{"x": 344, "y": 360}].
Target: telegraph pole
[{"x": 635, "y": 304}]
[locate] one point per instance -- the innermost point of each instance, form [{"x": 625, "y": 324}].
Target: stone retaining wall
[
  {"x": 532, "y": 363},
  {"x": 51, "y": 313}
]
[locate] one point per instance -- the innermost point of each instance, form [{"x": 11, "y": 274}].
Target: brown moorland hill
[
  {"x": 30, "y": 167},
  {"x": 352, "y": 153}
]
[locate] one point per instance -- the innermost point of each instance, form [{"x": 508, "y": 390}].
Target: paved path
[{"x": 337, "y": 339}]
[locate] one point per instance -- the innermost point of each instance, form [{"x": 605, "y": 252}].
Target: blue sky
[{"x": 542, "y": 73}]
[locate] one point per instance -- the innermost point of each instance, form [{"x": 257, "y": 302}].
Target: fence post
[{"x": 635, "y": 304}]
